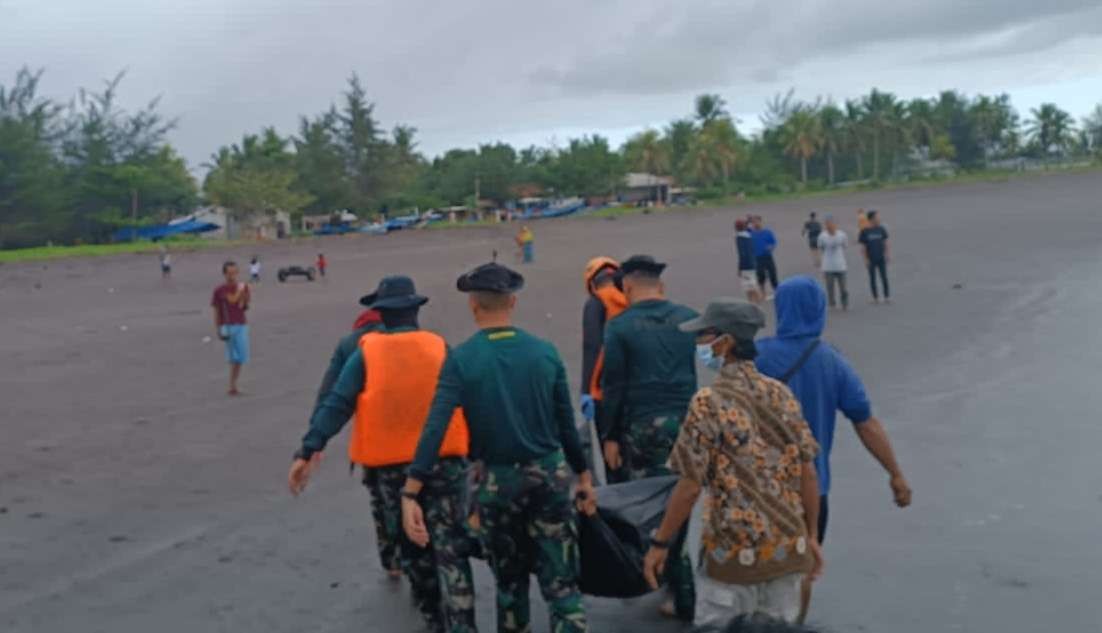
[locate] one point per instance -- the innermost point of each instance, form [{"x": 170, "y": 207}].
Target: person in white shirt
[
  {"x": 832, "y": 245},
  {"x": 254, "y": 270}
]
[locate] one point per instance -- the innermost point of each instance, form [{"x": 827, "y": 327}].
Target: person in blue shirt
[
  {"x": 764, "y": 244},
  {"x": 824, "y": 382}
]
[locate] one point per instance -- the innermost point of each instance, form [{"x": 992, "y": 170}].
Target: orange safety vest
[
  {"x": 615, "y": 303},
  {"x": 400, "y": 374}
]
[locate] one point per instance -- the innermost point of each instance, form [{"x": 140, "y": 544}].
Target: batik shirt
[{"x": 745, "y": 442}]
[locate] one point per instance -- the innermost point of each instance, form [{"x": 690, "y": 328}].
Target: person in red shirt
[
  {"x": 322, "y": 264},
  {"x": 229, "y": 302}
]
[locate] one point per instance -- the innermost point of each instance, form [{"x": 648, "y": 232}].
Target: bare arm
[
  {"x": 217, "y": 324},
  {"x": 678, "y": 509},
  {"x": 809, "y": 494},
  {"x": 680, "y": 506},
  {"x": 876, "y": 441}
]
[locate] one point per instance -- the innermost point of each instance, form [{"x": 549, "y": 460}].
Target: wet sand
[{"x": 136, "y": 496}]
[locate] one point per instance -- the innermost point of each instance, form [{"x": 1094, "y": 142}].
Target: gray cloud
[{"x": 525, "y": 71}]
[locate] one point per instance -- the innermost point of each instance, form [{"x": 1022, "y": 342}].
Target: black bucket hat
[
  {"x": 395, "y": 292},
  {"x": 492, "y": 277},
  {"x": 642, "y": 263}
]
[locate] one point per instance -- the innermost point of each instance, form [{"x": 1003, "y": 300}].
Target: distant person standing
[
  {"x": 254, "y": 270},
  {"x": 832, "y": 245},
  {"x": 811, "y": 230},
  {"x": 230, "y": 301},
  {"x": 322, "y": 264},
  {"x": 764, "y": 244},
  {"x": 526, "y": 241},
  {"x": 744, "y": 246},
  {"x": 875, "y": 240},
  {"x": 166, "y": 263}
]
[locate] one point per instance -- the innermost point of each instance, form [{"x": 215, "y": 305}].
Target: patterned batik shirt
[{"x": 746, "y": 443}]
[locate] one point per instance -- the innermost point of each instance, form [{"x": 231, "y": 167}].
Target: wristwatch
[
  {"x": 412, "y": 496},
  {"x": 657, "y": 544}
]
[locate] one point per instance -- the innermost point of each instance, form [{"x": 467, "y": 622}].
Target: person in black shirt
[
  {"x": 811, "y": 230},
  {"x": 874, "y": 239}
]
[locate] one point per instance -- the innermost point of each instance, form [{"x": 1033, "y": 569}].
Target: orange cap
[{"x": 596, "y": 265}]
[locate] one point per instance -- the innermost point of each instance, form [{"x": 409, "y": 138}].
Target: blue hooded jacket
[{"x": 826, "y": 383}]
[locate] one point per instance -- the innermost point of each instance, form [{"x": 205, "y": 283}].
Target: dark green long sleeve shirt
[
  {"x": 513, "y": 390},
  {"x": 345, "y": 347},
  {"x": 650, "y": 365}
]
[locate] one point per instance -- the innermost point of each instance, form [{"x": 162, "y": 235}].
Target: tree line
[{"x": 79, "y": 170}]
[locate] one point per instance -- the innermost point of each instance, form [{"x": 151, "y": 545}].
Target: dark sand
[{"x": 135, "y": 496}]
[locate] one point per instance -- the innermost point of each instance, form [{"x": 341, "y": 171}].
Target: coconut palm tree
[
  {"x": 648, "y": 152},
  {"x": 856, "y": 133},
  {"x": 921, "y": 123},
  {"x": 832, "y": 122},
  {"x": 802, "y": 136},
  {"x": 1051, "y": 128},
  {"x": 883, "y": 112},
  {"x": 722, "y": 139},
  {"x": 710, "y": 107}
]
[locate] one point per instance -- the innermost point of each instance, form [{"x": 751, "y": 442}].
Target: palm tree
[
  {"x": 883, "y": 113},
  {"x": 648, "y": 152},
  {"x": 802, "y": 136},
  {"x": 921, "y": 123},
  {"x": 721, "y": 138},
  {"x": 1051, "y": 128},
  {"x": 679, "y": 135},
  {"x": 710, "y": 107},
  {"x": 1092, "y": 126},
  {"x": 856, "y": 134},
  {"x": 832, "y": 122}
]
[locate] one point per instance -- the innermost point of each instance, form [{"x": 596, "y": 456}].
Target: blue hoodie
[{"x": 826, "y": 383}]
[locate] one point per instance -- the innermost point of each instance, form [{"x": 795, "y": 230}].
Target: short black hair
[
  {"x": 644, "y": 277},
  {"x": 812, "y": 214},
  {"x": 871, "y": 214},
  {"x": 226, "y": 264},
  {"x": 745, "y": 350}
]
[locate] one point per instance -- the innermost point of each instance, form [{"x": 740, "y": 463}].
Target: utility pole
[
  {"x": 477, "y": 196},
  {"x": 133, "y": 213}
]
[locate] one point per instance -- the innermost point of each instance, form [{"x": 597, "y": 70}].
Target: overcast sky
[{"x": 541, "y": 72}]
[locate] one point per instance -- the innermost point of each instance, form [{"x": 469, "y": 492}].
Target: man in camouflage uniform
[
  {"x": 387, "y": 518},
  {"x": 513, "y": 391},
  {"x": 649, "y": 379},
  {"x": 388, "y": 382}
]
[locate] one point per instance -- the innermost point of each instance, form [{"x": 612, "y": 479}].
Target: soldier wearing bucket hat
[
  {"x": 745, "y": 568},
  {"x": 649, "y": 378},
  {"x": 388, "y": 525},
  {"x": 388, "y": 383},
  {"x": 512, "y": 388}
]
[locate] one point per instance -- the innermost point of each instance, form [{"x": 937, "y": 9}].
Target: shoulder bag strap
[{"x": 800, "y": 362}]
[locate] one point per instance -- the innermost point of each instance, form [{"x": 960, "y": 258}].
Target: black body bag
[{"x": 614, "y": 541}]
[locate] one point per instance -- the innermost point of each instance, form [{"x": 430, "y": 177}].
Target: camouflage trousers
[
  {"x": 526, "y": 524},
  {"x": 439, "y": 574},
  {"x": 646, "y": 448},
  {"x": 388, "y": 521}
]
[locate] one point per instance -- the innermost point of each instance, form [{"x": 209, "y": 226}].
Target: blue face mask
[{"x": 707, "y": 356}]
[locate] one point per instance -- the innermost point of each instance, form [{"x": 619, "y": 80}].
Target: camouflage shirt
[{"x": 745, "y": 442}]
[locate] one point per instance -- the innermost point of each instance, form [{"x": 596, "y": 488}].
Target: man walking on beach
[
  {"x": 874, "y": 239},
  {"x": 764, "y": 244},
  {"x": 513, "y": 390},
  {"x": 824, "y": 382},
  {"x": 811, "y": 230},
  {"x": 650, "y": 376},
  {"x": 745, "y": 442},
  {"x": 744, "y": 247},
  {"x": 389, "y": 382},
  {"x": 832, "y": 245},
  {"x": 229, "y": 302}
]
